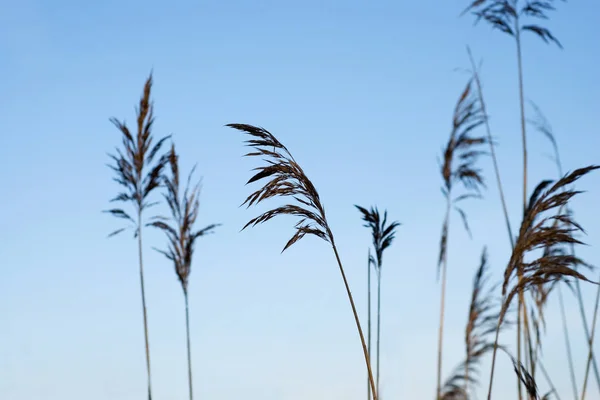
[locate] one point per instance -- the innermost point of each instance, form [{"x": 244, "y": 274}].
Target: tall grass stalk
[
  {"x": 369, "y": 260},
  {"x": 181, "y": 236},
  {"x": 137, "y": 171},
  {"x": 488, "y": 130},
  {"x": 458, "y": 167},
  {"x": 287, "y": 179},
  {"x": 591, "y": 346},
  {"x": 383, "y": 236}
]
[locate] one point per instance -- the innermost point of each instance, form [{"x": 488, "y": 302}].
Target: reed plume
[
  {"x": 138, "y": 172},
  {"x": 383, "y": 236},
  {"x": 538, "y": 231},
  {"x": 287, "y": 179},
  {"x": 458, "y": 167},
  {"x": 181, "y": 235}
]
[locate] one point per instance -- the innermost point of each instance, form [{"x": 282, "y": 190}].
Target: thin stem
[
  {"x": 549, "y": 381},
  {"x": 378, "y": 320},
  {"x": 527, "y": 336},
  {"x": 524, "y": 141},
  {"x": 585, "y": 324},
  {"x": 139, "y": 232},
  {"x": 442, "y": 303},
  {"x": 492, "y": 149},
  {"x": 541, "y": 364},
  {"x": 522, "y": 107},
  {"x": 494, "y": 360},
  {"x": 567, "y": 342},
  {"x": 356, "y": 319},
  {"x": 500, "y": 320},
  {"x": 466, "y": 387},
  {"x": 591, "y": 342},
  {"x": 369, "y": 318},
  {"x": 189, "y": 351},
  {"x": 519, "y": 309}
]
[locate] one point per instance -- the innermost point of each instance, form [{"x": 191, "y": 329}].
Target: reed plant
[
  {"x": 184, "y": 205},
  {"x": 458, "y": 168},
  {"x": 383, "y": 235},
  {"x": 288, "y": 180},
  {"x": 138, "y": 166}
]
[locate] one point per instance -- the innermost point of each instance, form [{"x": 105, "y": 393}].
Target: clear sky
[{"x": 362, "y": 93}]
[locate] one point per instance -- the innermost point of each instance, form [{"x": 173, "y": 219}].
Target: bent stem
[
  {"x": 591, "y": 342},
  {"x": 360, "y": 331},
  {"x": 144, "y": 305},
  {"x": 492, "y": 148},
  {"x": 552, "y": 388},
  {"x": 369, "y": 319},
  {"x": 442, "y": 309},
  {"x": 521, "y": 307},
  {"x": 500, "y": 320},
  {"x": 567, "y": 342}
]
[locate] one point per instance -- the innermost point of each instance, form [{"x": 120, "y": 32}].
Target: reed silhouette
[
  {"x": 383, "y": 235},
  {"x": 181, "y": 234},
  {"x": 138, "y": 166},
  {"x": 458, "y": 167},
  {"x": 287, "y": 179}
]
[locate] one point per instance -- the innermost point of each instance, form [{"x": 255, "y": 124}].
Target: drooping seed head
[{"x": 286, "y": 179}]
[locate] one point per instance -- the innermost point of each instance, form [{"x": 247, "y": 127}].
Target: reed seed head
[
  {"x": 539, "y": 231},
  {"x": 286, "y": 179},
  {"x": 506, "y": 16},
  {"x": 383, "y": 234},
  {"x": 179, "y": 227},
  {"x": 134, "y": 164}
]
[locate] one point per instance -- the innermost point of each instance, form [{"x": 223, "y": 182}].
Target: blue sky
[{"x": 362, "y": 94}]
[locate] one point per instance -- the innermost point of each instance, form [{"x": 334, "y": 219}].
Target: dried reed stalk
[
  {"x": 287, "y": 179},
  {"x": 369, "y": 263},
  {"x": 383, "y": 236},
  {"x": 136, "y": 170},
  {"x": 591, "y": 346},
  {"x": 490, "y": 140},
  {"x": 181, "y": 236},
  {"x": 461, "y": 149}
]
